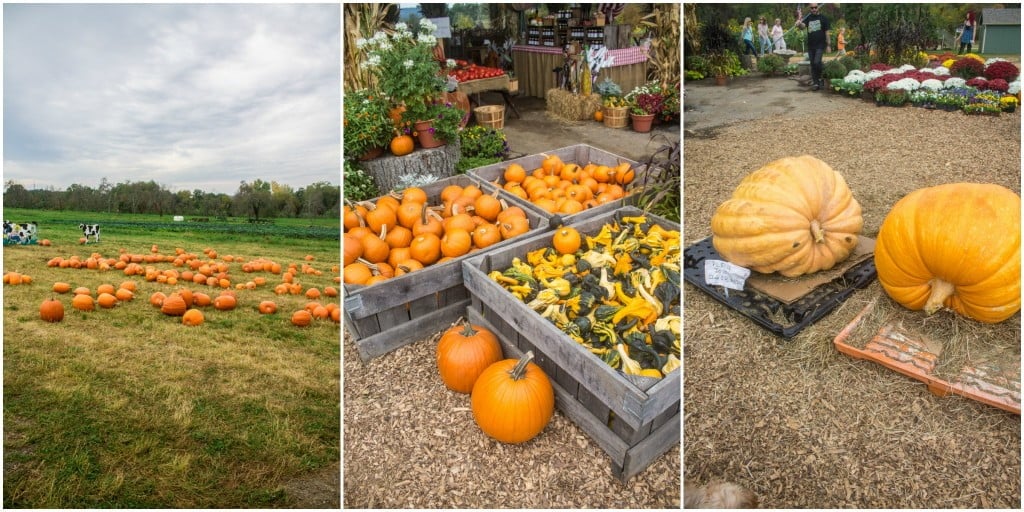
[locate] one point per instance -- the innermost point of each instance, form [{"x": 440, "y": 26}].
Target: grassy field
[{"x": 127, "y": 407}]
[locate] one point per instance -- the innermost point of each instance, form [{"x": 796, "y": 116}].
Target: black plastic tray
[{"x": 764, "y": 310}]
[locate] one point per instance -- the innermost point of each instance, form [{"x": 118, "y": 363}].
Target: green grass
[{"x": 127, "y": 407}]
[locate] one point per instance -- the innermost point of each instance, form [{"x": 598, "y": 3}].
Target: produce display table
[
  {"x": 498, "y": 84},
  {"x": 534, "y": 65}
]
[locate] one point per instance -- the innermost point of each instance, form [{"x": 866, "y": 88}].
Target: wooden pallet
[{"x": 633, "y": 421}]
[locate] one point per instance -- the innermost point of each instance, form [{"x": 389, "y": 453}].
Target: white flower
[
  {"x": 907, "y": 67},
  {"x": 941, "y": 71},
  {"x": 953, "y": 83},
  {"x": 427, "y": 39},
  {"x": 927, "y": 70},
  {"x": 361, "y": 43},
  {"x": 894, "y": 71},
  {"x": 994, "y": 59},
  {"x": 905, "y": 84},
  {"x": 1014, "y": 87},
  {"x": 384, "y": 45},
  {"x": 401, "y": 26},
  {"x": 873, "y": 74},
  {"x": 931, "y": 84},
  {"x": 380, "y": 36},
  {"x": 855, "y": 76},
  {"x": 408, "y": 63},
  {"x": 427, "y": 26},
  {"x": 450, "y": 63}
]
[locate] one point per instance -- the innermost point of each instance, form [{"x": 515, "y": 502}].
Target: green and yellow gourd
[{"x": 794, "y": 216}]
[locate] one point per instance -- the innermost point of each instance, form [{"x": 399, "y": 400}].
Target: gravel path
[{"x": 796, "y": 422}]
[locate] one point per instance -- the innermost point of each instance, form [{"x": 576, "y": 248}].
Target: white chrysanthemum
[
  {"x": 953, "y": 83},
  {"x": 873, "y": 74},
  {"x": 941, "y": 71},
  {"x": 450, "y": 63},
  {"x": 855, "y": 77},
  {"x": 380, "y": 36},
  {"x": 408, "y": 63},
  {"x": 932, "y": 84},
  {"x": 893, "y": 71},
  {"x": 904, "y": 84},
  {"x": 401, "y": 26},
  {"x": 907, "y": 67},
  {"x": 427, "y": 26},
  {"x": 1014, "y": 87},
  {"x": 994, "y": 59},
  {"x": 926, "y": 70},
  {"x": 384, "y": 45}
]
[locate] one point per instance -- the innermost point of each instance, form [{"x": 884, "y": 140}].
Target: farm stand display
[
  {"x": 491, "y": 176},
  {"x": 634, "y": 420},
  {"x": 387, "y": 315}
]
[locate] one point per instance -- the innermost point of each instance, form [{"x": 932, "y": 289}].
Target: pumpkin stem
[
  {"x": 941, "y": 290},
  {"x": 423, "y": 214},
  {"x": 468, "y": 330},
  {"x": 519, "y": 371},
  {"x": 817, "y": 232}
]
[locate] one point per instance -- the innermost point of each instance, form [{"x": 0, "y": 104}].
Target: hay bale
[{"x": 565, "y": 105}]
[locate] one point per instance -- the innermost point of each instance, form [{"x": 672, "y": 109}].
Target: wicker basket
[
  {"x": 491, "y": 116},
  {"x": 616, "y": 117},
  {"x": 513, "y": 85}
]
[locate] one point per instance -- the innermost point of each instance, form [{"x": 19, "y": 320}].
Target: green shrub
[
  {"x": 834, "y": 69},
  {"x": 850, "y": 63},
  {"x": 358, "y": 185},
  {"x": 770, "y": 64}
]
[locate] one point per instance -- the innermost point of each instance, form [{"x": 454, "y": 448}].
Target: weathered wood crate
[
  {"x": 399, "y": 311},
  {"x": 580, "y": 154},
  {"x": 634, "y": 426}
]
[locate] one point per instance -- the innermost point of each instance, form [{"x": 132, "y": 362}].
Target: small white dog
[{"x": 718, "y": 495}]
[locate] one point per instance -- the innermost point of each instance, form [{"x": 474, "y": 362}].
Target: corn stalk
[
  {"x": 361, "y": 21},
  {"x": 664, "y": 55}
]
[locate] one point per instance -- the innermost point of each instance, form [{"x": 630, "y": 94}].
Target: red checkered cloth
[{"x": 623, "y": 56}]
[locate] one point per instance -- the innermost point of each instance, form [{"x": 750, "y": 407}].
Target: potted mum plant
[
  {"x": 368, "y": 129},
  {"x": 645, "y": 103},
  {"x": 406, "y": 69}
]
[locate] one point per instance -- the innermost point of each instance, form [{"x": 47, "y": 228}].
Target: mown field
[{"x": 128, "y": 407}]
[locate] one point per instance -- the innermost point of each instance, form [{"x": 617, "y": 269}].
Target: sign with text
[{"x": 723, "y": 273}]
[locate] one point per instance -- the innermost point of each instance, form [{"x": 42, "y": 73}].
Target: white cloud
[{"x": 189, "y": 95}]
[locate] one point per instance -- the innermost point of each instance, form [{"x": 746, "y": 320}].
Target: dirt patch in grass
[
  {"x": 795, "y": 421},
  {"x": 317, "y": 490},
  {"x": 409, "y": 442}
]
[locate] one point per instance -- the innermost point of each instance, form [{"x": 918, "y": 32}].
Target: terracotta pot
[
  {"x": 642, "y": 123},
  {"x": 425, "y": 136},
  {"x": 721, "y": 79},
  {"x": 372, "y": 153}
]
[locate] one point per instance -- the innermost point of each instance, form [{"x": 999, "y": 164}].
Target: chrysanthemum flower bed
[{"x": 981, "y": 87}]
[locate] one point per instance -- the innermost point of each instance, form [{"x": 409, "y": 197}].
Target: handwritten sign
[{"x": 723, "y": 273}]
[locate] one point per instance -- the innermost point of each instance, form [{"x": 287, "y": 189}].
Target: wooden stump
[{"x": 418, "y": 168}]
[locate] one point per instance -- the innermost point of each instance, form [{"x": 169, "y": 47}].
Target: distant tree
[{"x": 253, "y": 199}]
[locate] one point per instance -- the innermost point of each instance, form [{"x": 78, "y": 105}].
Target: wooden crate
[
  {"x": 580, "y": 154},
  {"x": 405, "y": 309},
  {"x": 633, "y": 425}
]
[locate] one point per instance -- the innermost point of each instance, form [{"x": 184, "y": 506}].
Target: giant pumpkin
[
  {"x": 955, "y": 245},
  {"x": 794, "y": 216}
]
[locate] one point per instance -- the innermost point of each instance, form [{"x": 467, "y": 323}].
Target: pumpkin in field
[
  {"x": 173, "y": 305},
  {"x": 463, "y": 353},
  {"x": 192, "y": 317},
  {"x": 402, "y": 145},
  {"x": 83, "y": 302},
  {"x": 794, "y": 216},
  {"x": 225, "y": 302},
  {"x": 268, "y": 307},
  {"x": 106, "y": 300},
  {"x": 61, "y": 287},
  {"x": 302, "y": 318},
  {"x": 51, "y": 310},
  {"x": 513, "y": 400},
  {"x": 955, "y": 245}
]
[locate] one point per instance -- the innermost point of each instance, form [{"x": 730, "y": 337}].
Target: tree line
[{"x": 259, "y": 199}]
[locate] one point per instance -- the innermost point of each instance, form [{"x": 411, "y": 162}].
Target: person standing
[
  {"x": 967, "y": 34},
  {"x": 762, "y": 36},
  {"x": 817, "y": 41},
  {"x": 778, "y": 35},
  {"x": 748, "y": 38}
]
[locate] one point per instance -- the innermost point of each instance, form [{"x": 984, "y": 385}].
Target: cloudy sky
[{"x": 191, "y": 96}]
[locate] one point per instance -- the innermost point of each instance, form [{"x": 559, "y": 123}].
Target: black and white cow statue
[
  {"x": 20, "y": 233},
  {"x": 92, "y": 230}
]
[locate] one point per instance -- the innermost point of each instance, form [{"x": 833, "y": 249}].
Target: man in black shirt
[{"x": 818, "y": 42}]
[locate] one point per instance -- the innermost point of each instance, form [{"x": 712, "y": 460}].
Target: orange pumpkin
[
  {"x": 426, "y": 248},
  {"x": 302, "y": 318},
  {"x": 486, "y": 236},
  {"x": 268, "y": 307},
  {"x": 456, "y": 242},
  {"x": 192, "y": 317},
  {"x": 463, "y": 353},
  {"x": 106, "y": 300},
  {"x": 61, "y": 287},
  {"x": 51, "y": 310},
  {"x": 173, "y": 305},
  {"x": 225, "y": 302},
  {"x": 402, "y": 145},
  {"x": 566, "y": 240},
  {"x": 599, "y": 116},
  {"x": 512, "y": 401},
  {"x": 83, "y": 302}
]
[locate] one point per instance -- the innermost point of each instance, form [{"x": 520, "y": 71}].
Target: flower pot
[
  {"x": 425, "y": 135},
  {"x": 642, "y": 123},
  {"x": 372, "y": 153},
  {"x": 721, "y": 80}
]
